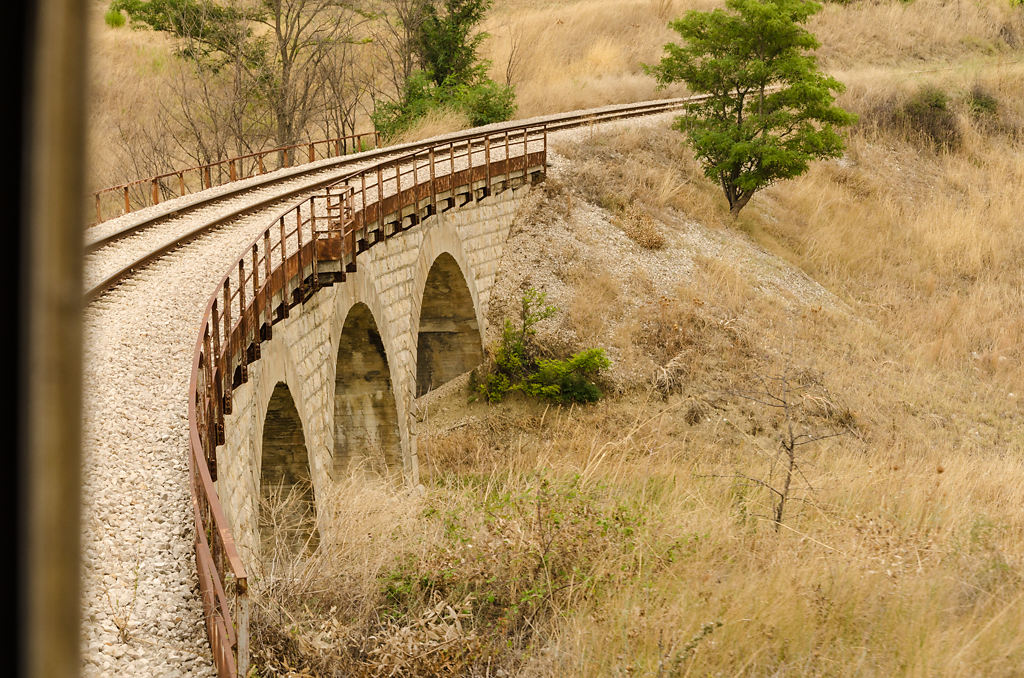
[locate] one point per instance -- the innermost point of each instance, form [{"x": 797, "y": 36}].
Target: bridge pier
[{"x": 410, "y": 317}]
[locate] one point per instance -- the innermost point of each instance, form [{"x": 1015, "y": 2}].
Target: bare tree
[
  {"x": 255, "y": 61},
  {"x": 346, "y": 81},
  {"x": 394, "y": 34},
  {"x": 515, "y": 56},
  {"x": 305, "y": 32},
  {"x": 797, "y": 404}
]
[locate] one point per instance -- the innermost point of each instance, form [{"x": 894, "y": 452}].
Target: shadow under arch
[
  {"x": 287, "y": 503},
  {"x": 366, "y": 429},
  {"x": 448, "y": 343}
]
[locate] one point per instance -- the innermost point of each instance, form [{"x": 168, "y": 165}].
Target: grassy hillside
[{"x": 633, "y": 537}]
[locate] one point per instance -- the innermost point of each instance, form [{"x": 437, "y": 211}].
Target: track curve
[{"x": 141, "y": 612}]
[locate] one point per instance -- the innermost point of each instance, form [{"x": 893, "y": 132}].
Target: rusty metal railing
[
  {"x": 314, "y": 244},
  {"x": 118, "y": 200}
]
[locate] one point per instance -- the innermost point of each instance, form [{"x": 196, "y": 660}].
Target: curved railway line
[
  {"x": 157, "y": 230},
  {"x": 149, "y": 280}
]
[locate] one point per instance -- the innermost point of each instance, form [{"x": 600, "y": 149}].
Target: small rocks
[{"x": 138, "y": 573}]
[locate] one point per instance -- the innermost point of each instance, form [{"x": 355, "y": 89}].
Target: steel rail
[
  {"x": 555, "y": 122},
  {"x": 236, "y": 171}
]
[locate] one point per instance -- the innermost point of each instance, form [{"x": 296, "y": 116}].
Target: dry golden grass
[
  {"x": 433, "y": 124},
  {"x": 625, "y": 538},
  {"x": 586, "y": 53},
  {"x": 931, "y": 242}
]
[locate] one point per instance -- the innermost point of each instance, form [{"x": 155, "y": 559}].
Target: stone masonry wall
[{"x": 303, "y": 353}]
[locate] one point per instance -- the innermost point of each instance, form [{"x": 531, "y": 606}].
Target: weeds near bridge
[
  {"x": 450, "y": 583},
  {"x": 121, "y": 612},
  {"x": 517, "y": 366}
]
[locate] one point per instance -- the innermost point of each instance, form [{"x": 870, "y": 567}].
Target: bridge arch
[
  {"x": 384, "y": 302},
  {"x": 443, "y": 261},
  {"x": 448, "y": 335},
  {"x": 365, "y": 414},
  {"x": 287, "y": 498}
]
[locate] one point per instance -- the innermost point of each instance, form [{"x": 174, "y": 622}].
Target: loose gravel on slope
[
  {"x": 141, "y": 611},
  {"x": 138, "y": 564}
]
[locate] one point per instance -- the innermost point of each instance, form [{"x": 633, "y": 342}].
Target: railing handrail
[{"x": 206, "y": 178}]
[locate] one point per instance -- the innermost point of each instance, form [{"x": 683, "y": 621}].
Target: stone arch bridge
[
  {"x": 314, "y": 347},
  {"x": 332, "y": 390}
]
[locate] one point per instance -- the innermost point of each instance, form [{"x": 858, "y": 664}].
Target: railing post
[
  {"x": 208, "y": 369},
  {"x": 156, "y": 191},
  {"x": 487, "y": 161},
  {"x": 284, "y": 270},
  {"x": 508, "y": 161},
  {"x": 298, "y": 240},
  {"x": 526, "y": 149},
  {"x": 433, "y": 186},
  {"x": 215, "y": 321},
  {"x": 242, "y": 631},
  {"x": 376, "y": 139},
  {"x": 312, "y": 153},
  {"x": 312, "y": 241},
  {"x": 380, "y": 198},
  {"x": 232, "y": 172},
  {"x": 228, "y": 346},
  {"x": 127, "y": 202},
  {"x": 243, "y": 328},
  {"x": 398, "y": 192},
  {"x": 350, "y": 240},
  {"x": 181, "y": 182},
  {"x": 337, "y": 147},
  {"x": 207, "y": 180},
  {"x": 283, "y": 241},
  {"x": 269, "y": 299},
  {"x": 255, "y": 293},
  {"x": 263, "y": 169}
]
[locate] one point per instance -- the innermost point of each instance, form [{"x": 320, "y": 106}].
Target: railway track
[
  {"x": 149, "y": 285},
  {"x": 113, "y": 254}
]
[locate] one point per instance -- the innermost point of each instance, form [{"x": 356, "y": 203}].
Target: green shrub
[
  {"x": 981, "y": 103},
  {"x": 927, "y": 114},
  {"x": 482, "y": 100},
  {"x": 485, "y": 102},
  {"x": 420, "y": 97},
  {"x": 568, "y": 381},
  {"x": 517, "y": 367},
  {"x": 114, "y": 18}
]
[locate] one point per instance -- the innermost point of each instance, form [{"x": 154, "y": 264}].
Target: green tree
[
  {"x": 452, "y": 75},
  {"x": 769, "y": 110},
  {"x": 446, "y": 44}
]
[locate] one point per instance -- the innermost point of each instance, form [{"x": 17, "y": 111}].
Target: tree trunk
[{"x": 735, "y": 205}]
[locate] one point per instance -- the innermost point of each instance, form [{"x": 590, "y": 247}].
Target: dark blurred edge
[{"x": 45, "y": 62}]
